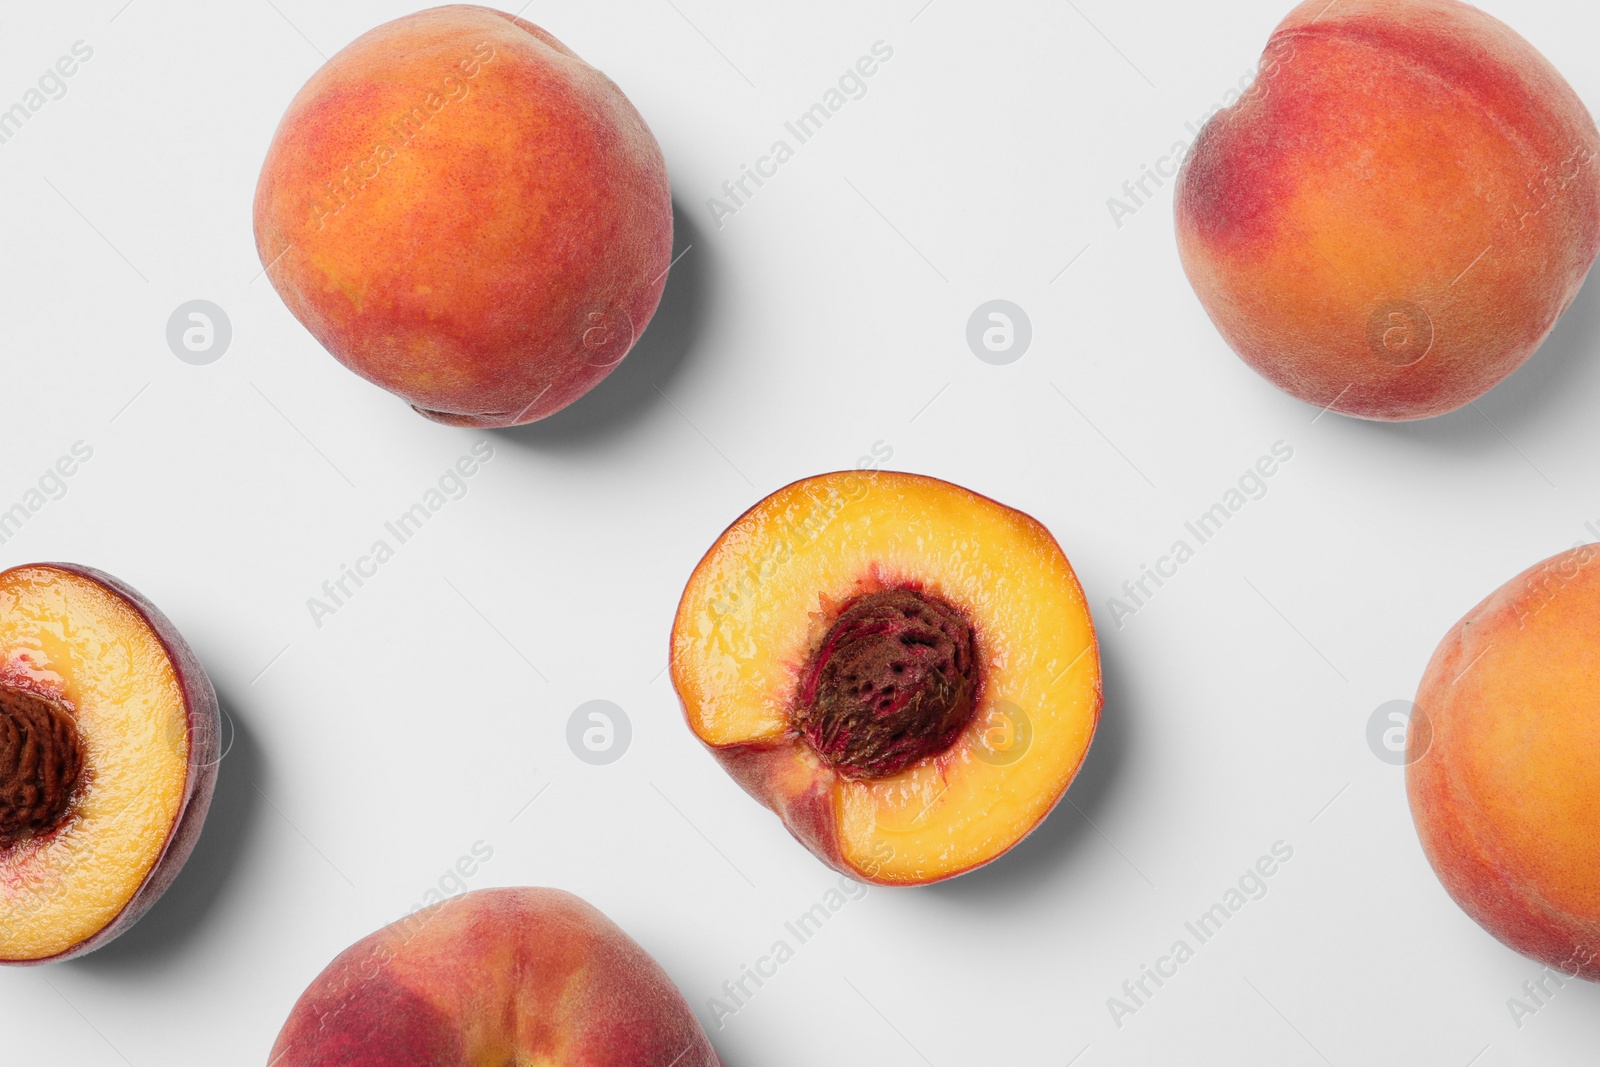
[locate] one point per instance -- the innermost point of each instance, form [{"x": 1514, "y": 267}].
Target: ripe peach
[
  {"x": 464, "y": 212},
  {"x": 1505, "y": 783},
  {"x": 1393, "y": 217},
  {"x": 494, "y": 976},
  {"x": 109, "y": 733},
  {"x": 904, "y": 671}
]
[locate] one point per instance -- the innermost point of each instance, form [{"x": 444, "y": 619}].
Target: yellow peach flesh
[{"x": 68, "y": 638}]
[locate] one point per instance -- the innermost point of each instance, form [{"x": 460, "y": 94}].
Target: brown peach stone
[{"x": 41, "y": 761}]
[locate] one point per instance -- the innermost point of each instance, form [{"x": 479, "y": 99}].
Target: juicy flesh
[
  {"x": 67, "y": 637},
  {"x": 751, "y": 618}
]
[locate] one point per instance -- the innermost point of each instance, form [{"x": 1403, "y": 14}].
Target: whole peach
[
  {"x": 1505, "y": 778},
  {"x": 464, "y": 212},
  {"x": 1393, "y": 217},
  {"x": 500, "y": 976}
]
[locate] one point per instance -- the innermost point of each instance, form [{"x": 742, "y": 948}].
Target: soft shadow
[
  {"x": 1027, "y": 868},
  {"x": 183, "y": 912},
  {"x": 656, "y": 358},
  {"x": 1562, "y": 373}
]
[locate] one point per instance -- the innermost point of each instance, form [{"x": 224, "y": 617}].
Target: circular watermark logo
[
  {"x": 199, "y": 332},
  {"x": 1006, "y": 735},
  {"x": 607, "y": 337},
  {"x": 598, "y": 732},
  {"x": 999, "y": 332},
  {"x": 177, "y": 736},
  {"x": 1400, "y": 332},
  {"x": 882, "y": 855},
  {"x": 1387, "y": 730}
]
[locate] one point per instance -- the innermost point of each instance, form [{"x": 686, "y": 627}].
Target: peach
[
  {"x": 1504, "y": 781},
  {"x": 465, "y": 213},
  {"x": 495, "y": 976},
  {"x": 109, "y": 733},
  {"x": 1393, "y": 217},
  {"x": 904, "y": 671}
]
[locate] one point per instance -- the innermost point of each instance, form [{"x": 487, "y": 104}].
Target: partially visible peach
[
  {"x": 464, "y": 212},
  {"x": 109, "y": 733},
  {"x": 1505, "y": 778},
  {"x": 496, "y": 976},
  {"x": 1392, "y": 219}
]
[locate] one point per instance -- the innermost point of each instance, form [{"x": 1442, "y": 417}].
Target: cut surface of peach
[
  {"x": 906, "y": 672},
  {"x": 97, "y": 766}
]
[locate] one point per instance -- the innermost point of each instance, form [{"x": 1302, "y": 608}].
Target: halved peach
[
  {"x": 109, "y": 734},
  {"x": 904, "y": 671}
]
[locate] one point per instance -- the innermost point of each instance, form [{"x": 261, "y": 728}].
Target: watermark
[
  {"x": 30, "y": 883},
  {"x": 825, "y": 506},
  {"x": 1138, "y": 992},
  {"x": 608, "y": 335},
  {"x": 52, "y": 85},
  {"x": 199, "y": 332},
  {"x": 1536, "y": 992},
  {"x": 452, "y": 485},
  {"x": 1006, "y": 736},
  {"x": 449, "y": 888},
  {"x": 880, "y": 453},
  {"x": 1252, "y": 485},
  {"x": 599, "y": 732},
  {"x": 1400, "y": 332},
  {"x": 737, "y": 192},
  {"x": 50, "y": 487},
  {"x": 739, "y": 991},
  {"x": 1387, "y": 730},
  {"x": 180, "y": 742},
  {"x": 1551, "y": 182},
  {"x": 1252, "y": 85},
  {"x": 1543, "y": 586},
  {"x": 999, "y": 332},
  {"x": 453, "y": 881},
  {"x": 352, "y": 181}
]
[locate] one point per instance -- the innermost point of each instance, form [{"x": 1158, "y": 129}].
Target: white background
[{"x": 826, "y": 317}]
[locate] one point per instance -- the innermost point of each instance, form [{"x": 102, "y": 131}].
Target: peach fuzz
[
  {"x": 1393, "y": 217},
  {"x": 1505, "y": 779},
  {"x": 467, "y": 214},
  {"x": 495, "y": 976},
  {"x": 109, "y": 733}
]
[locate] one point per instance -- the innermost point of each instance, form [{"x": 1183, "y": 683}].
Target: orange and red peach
[
  {"x": 1393, "y": 217},
  {"x": 1505, "y": 774},
  {"x": 109, "y": 733},
  {"x": 904, "y": 671},
  {"x": 495, "y": 976},
  {"x": 464, "y": 212}
]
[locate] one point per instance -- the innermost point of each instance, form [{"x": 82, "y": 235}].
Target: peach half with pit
[
  {"x": 109, "y": 733},
  {"x": 464, "y": 212},
  {"x": 495, "y": 976},
  {"x": 904, "y": 671}
]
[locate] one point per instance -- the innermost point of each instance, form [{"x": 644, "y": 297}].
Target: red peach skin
[
  {"x": 467, "y": 214},
  {"x": 495, "y": 976},
  {"x": 1394, "y": 216}
]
